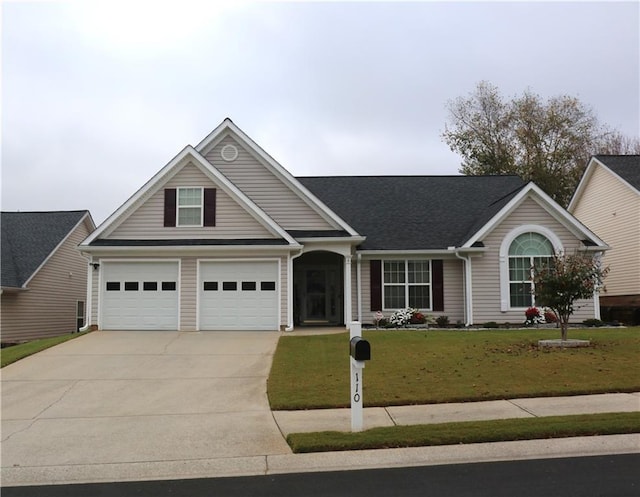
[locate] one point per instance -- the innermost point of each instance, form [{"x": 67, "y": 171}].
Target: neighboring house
[
  {"x": 44, "y": 277},
  {"x": 224, "y": 238},
  {"x": 607, "y": 200}
]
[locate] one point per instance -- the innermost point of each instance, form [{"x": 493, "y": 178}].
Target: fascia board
[
  {"x": 551, "y": 206},
  {"x": 83, "y": 219},
  {"x": 391, "y": 253},
  {"x": 281, "y": 173},
  {"x": 103, "y": 251},
  {"x": 355, "y": 240},
  {"x": 586, "y": 176}
]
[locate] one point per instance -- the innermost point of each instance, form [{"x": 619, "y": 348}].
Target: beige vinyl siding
[
  {"x": 452, "y": 282},
  {"x": 611, "y": 209},
  {"x": 48, "y": 307},
  {"x": 232, "y": 220},
  {"x": 267, "y": 190},
  {"x": 486, "y": 268},
  {"x": 188, "y": 293}
]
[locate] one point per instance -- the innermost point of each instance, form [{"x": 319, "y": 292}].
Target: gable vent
[{"x": 229, "y": 153}]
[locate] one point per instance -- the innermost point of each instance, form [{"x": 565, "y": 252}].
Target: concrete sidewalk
[{"x": 340, "y": 419}]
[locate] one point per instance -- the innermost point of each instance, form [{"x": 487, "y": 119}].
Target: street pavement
[{"x": 131, "y": 406}]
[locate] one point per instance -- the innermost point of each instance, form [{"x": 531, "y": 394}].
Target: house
[
  {"x": 44, "y": 277},
  {"x": 223, "y": 238},
  {"x": 607, "y": 200}
]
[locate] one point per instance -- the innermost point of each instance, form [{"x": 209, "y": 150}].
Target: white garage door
[
  {"x": 238, "y": 295},
  {"x": 139, "y": 296}
]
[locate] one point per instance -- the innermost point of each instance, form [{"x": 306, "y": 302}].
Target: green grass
[
  {"x": 14, "y": 353},
  {"x": 468, "y": 432},
  {"x": 423, "y": 367}
]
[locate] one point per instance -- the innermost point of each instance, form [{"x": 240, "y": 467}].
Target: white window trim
[
  {"x": 178, "y": 225},
  {"x": 505, "y": 300},
  {"x": 406, "y": 283}
]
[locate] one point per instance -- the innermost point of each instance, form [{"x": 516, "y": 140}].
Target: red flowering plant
[{"x": 417, "y": 317}]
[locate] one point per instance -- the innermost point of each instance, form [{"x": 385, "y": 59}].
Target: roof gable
[
  {"x": 414, "y": 212},
  {"x": 188, "y": 156},
  {"x": 532, "y": 191},
  {"x": 625, "y": 168},
  {"x": 282, "y": 185},
  {"x": 29, "y": 239}
]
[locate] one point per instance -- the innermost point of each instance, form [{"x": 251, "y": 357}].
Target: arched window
[{"x": 526, "y": 251}]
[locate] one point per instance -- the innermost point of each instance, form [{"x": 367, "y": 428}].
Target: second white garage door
[{"x": 238, "y": 295}]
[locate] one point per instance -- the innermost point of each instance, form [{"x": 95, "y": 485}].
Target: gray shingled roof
[
  {"x": 414, "y": 212},
  {"x": 27, "y": 238},
  {"x": 625, "y": 166}
]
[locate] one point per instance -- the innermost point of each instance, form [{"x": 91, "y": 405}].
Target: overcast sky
[{"x": 98, "y": 96}]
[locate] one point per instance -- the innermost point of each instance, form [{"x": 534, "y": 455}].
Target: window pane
[
  {"x": 268, "y": 286},
  {"x": 394, "y": 271},
  {"x": 131, "y": 286},
  {"x": 189, "y": 216},
  {"x": 248, "y": 285},
  {"x": 168, "y": 286},
  {"x": 229, "y": 286},
  {"x": 210, "y": 286},
  {"x": 394, "y": 297},
  {"x": 419, "y": 297},
  {"x": 113, "y": 286},
  {"x": 150, "y": 285},
  {"x": 418, "y": 271},
  {"x": 521, "y": 294},
  {"x": 189, "y": 196},
  {"x": 519, "y": 268}
]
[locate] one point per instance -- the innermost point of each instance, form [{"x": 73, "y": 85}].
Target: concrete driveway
[{"x": 130, "y": 405}]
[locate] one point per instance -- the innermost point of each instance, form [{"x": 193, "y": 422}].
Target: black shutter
[
  {"x": 437, "y": 278},
  {"x": 375, "y": 268},
  {"x": 169, "y": 207},
  {"x": 209, "y": 207}
]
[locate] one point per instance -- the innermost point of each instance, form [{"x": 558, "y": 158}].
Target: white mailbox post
[{"x": 359, "y": 352}]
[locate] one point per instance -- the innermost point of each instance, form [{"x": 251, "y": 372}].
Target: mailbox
[{"x": 360, "y": 349}]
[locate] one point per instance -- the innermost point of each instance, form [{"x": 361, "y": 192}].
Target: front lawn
[
  {"x": 423, "y": 367},
  {"x": 16, "y": 352}
]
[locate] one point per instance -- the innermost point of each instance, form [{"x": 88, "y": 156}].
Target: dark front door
[{"x": 318, "y": 289}]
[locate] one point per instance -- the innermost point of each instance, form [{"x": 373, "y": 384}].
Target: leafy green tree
[
  {"x": 548, "y": 142},
  {"x": 566, "y": 279}
]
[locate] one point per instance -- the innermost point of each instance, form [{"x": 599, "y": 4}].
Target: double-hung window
[
  {"x": 527, "y": 251},
  {"x": 190, "y": 206},
  {"x": 407, "y": 283}
]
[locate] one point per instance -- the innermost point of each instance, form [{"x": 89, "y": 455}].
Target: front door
[{"x": 318, "y": 293}]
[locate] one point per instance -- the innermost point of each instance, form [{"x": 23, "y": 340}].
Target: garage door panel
[
  {"x": 140, "y": 296},
  {"x": 238, "y": 295}
]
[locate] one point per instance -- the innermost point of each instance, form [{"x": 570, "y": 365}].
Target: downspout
[
  {"x": 290, "y": 325},
  {"x": 359, "y": 285},
  {"x": 88, "y": 307},
  {"x": 596, "y": 291},
  {"x": 468, "y": 296}
]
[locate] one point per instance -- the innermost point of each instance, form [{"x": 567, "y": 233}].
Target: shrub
[
  {"x": 592, "y": 322},
  {"x": 418, "y": 318},
  {"x": 533, "y": 316},
  {"x": 550, "y": 316},
  {"x": 443, "y": 321}
]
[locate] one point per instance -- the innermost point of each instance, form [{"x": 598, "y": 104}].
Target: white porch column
[{"x": 347, "y": 290}]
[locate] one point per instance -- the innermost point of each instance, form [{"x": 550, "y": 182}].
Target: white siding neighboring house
[
  {"x": 224, "y": 237},
  {"x": 44, "y": 277},
  {"x": 607, "y": 201}
]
